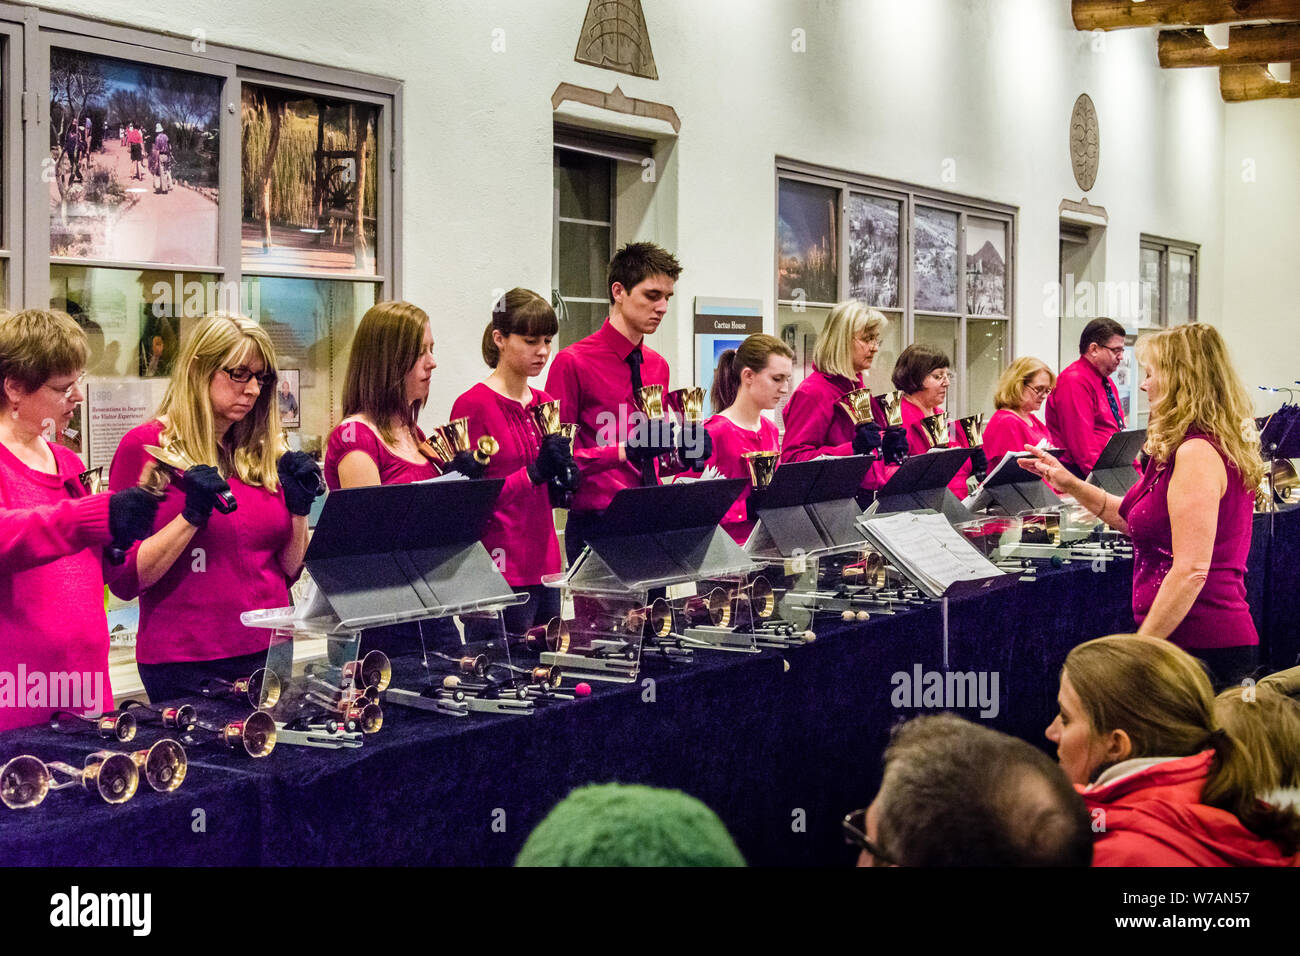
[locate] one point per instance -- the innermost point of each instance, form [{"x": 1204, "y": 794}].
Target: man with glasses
[
  {"x": 1084, "y": 410},
  {"x": 958, "y": 794}
]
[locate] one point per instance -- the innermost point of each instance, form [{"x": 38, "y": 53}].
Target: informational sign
[
  {"x": 113, "y": 408},
  {"x": 721, "y": 324}
]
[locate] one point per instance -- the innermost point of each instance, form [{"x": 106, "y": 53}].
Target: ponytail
[
  {"x": 491, "y": 354},
  {"x": 753, "y": 354}
]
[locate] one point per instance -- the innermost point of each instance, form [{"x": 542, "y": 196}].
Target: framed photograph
[
  {"x": 133, "y": 148},
  {"x": 807, "y": 242},
  {"x": 289, "y": 397},
  {"x": 986, "y": 267},
  {"x": 934, "y": 261},
  {"x": 873, "y": 250}
]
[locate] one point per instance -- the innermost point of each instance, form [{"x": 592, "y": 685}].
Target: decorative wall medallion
[
  {"x": 614, "y": 37},
  {"x": 1085, "y": 142}
]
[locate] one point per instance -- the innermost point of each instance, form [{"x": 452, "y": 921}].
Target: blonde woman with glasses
[
  {"x": 200, "y": 569},
  {"x": 1190, "y": 514},
  {"x": 1019, "y": 394}
]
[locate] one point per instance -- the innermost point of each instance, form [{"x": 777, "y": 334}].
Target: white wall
[
  {"x": 884, "y": 88},
  {"x": 1261, "y": 287}
]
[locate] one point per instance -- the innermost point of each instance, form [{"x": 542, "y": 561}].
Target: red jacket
[{"x": 1154, "y": 817}]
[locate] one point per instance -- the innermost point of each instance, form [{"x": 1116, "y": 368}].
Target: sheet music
[{"x": 928, "y": 549}]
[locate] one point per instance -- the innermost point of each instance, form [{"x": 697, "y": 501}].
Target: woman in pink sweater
[
  {"x": 53, "y": 531},
  {"x": 202, "y": 568},
  {"x": 1019, "y": 394}
]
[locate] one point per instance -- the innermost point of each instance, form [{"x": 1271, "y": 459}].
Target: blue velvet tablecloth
[{"x": 780, "y": 744}]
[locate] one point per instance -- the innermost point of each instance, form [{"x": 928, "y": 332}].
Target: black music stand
[
  {"x": 921, "y": 482},
  {"x": 1113, "y": 470},
  {"x": 809, "y": 508},
  {"x": 1015, "y": 490}
]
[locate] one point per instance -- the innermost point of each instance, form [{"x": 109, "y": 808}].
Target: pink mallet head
[{"x": 582, "y": 690}]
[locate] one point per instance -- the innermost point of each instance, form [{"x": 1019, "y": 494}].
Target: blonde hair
[
  {"x": 848, "y": 321},
  {"x": 388, "y": 343},
  {"x": 1159, "y": 695},
  {"x": 1200, "y": 388},
  {"x": 251, "y": 447},
  {"x": 1010, "y": 390}
]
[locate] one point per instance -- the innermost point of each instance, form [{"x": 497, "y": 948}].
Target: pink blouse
[{"x": 358, "y": 436}]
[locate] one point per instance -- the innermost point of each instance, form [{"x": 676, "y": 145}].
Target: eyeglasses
[
  {"x": 1117, "y": 351},
  {"x": 67, "y": 392},
  {"x": 1042, "y": 391},
  {"x": 243, "y": 373},
  {"x": 855, "y": 834},
  {"x": 944, "y": 378}
]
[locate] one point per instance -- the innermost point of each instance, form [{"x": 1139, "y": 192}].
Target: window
[
  {"x": 583, "y": 240},
  {"x": 1167, "y": 273},
  {"x": 938, "y": 267}
]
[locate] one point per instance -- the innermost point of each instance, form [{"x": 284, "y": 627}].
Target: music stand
[
  {"x": 1015, "y": 490},
  {"x": 921, "y": 482},
  {"x": 1113, "y": 470},
  {"x": 809, "y": 508}
]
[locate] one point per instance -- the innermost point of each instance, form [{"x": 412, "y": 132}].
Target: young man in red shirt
[
  {"x": 595, "y": 380},
  {"x": 1084, "y": 411}
]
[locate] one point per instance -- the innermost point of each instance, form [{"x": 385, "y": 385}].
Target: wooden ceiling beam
[
  {"x": 1271, "y": 43},
  {"x": 1238, "y": 84},
  {"x": 1124, "y": 14}
]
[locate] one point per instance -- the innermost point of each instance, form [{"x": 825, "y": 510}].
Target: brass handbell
[
  {"x": 891, "y": 403},
  {"x": 552, "y": 636},
  {"x": 547, "y": 417},
  {"x": 858, "y": 404},
  {"x": 650, "y": 400},
  {"x": 24, "y": 782},
  {"x": 113, "y": 776},
  {"x": 163, "y": 765},
  {"x": 935, "y": 430},
  {"x": 686, "y": 402},
  {"x": 654, "y": 620},
  {"x": 972, "y": 429},
  {"x": 762, "y": 466},
  {"x": 449, "y": 440},
  {"x": 712, "y": 609},
  {"x": 177, "y": 460},
  {"x": 1280, "y": 485}
]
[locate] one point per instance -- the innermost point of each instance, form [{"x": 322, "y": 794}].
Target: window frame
[
  {"x": 1166, "y": 248},
  {"x": 556, "y": 219},
  {"x": 911, "y": 196}
]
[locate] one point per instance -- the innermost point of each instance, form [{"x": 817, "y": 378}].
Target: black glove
[
  {"x": 979, "y": 463},
  {"x": 561, "y": 490},
  {"x": 465, "y": 463},
  {"x": 130, "y": 516},
  {"x": 654, "y": 438},
  {"x": 553, "y": 459},
  {"x": 203, "y": 484},
  {"x": 867, "y": 438},
  {"x": 301, "y": 479},
  {"x": 694, "y": 445},
  {"x": 893, "y": 445}
]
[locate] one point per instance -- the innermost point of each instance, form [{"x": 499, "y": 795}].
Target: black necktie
[
  {"x": 1114, "y": 402},
  {"x": 634, "y": 359}
]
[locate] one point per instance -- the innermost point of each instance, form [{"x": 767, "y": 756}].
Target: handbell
[
  {"x": 891, "y": 403},
  {"x": 972, "y": 429},
  {"x": 256, "y": 733},
  {"x": 182, "y": 718},
  {"x": 173, "y": 457},
  {"x": 113, "y": 776},
  {"x": 449, "y": 440},
  {"x": 552, "y": 636},
  {"x": 758, "y": 595},
  {"x": 364, "y": 715},
  {"x": 762, "y": 466},
  {"x": 261, "y": 688},
  {"x": 654, "y": 620},
  {"x": 650, "y": 399},
  {"x": 547, "y": 417},
  {"x": 119, "y": 725},
  {"x": 713, "y": 608},
  {"x": 858, "y": 405},
  {"x": 935, "y": 429},
  {"x": 164, "y": 765},
  {"x": 24, "y": 782},
  {"x": 375, "y": 669},
  {"x": 687, "y": 402}
]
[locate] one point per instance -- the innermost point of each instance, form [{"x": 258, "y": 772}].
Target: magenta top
[
  {"x": 1220, "y": 616},
  {"x": 815, "y": 425},
  {"x": 917, "y": 445},
  {"x": 1079, "y": 415},
  {"x": 593, "y": 381},
  {"x": 730, "y": 443},
  {"x": 52, "y": 620},
  {"x": 192, "y": 612},
  {"x": 358, "y": 436},
  {"x": 520, "y": 536},
  {"x": 1006, "y": 431}
]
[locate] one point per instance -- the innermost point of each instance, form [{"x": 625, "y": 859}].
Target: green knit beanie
[{"x": 611, "y": 824}]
